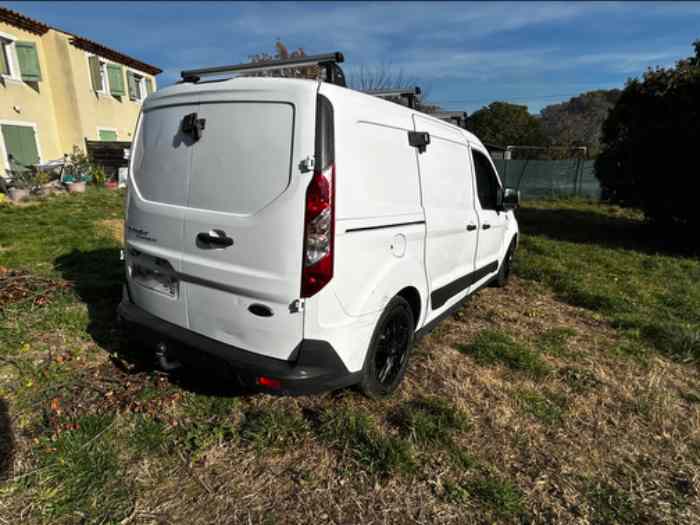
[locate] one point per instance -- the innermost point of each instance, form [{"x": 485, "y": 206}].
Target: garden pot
[
  {"x": 111, "y": 184},
  {"x": 76, "y": 187},
  {"x": 16, "y": 195}
]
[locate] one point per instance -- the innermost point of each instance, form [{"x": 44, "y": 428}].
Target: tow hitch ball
[{"x": 166, "y": 362}]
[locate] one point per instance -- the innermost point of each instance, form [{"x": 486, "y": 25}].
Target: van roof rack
[
  {"x": 328, "y": 62},
  {"x": 458, "y": 118},
  {"x": 411, "y": 94}
]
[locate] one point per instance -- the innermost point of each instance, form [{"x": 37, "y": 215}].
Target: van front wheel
[{"x": 387, "y": 356}]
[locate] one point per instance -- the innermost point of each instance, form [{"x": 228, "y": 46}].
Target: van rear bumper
[{"x": 316, "y": 367}]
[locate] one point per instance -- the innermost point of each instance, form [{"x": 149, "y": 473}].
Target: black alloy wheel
[{"x": 387, "y": 357}]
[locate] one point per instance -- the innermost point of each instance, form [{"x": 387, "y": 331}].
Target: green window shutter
[
  {"x": 149, "y": 86},
  {"x": 28, "y": 59},
  {"x": 107, "y": 134},
  {"x": 131, "y": 82},
  {"x": 95, "y": 73},
  {"x": 4, "y": 67},
  {"x": 20, "y": 142},
  {"x": 116, "y": 79}
]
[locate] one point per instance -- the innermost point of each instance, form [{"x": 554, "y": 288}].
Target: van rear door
[
  {"x": 155, "y": 214},
  {"x": 244, "y": 223}
]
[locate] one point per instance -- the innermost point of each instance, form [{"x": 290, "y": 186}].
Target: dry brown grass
[
  {"x": 624, "y": 450},
  {"x": 113, "y": 228},
  {"x": 601, "y": 436}
]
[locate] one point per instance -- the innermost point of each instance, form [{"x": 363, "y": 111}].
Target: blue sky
[{"x": 466, "y": 54}]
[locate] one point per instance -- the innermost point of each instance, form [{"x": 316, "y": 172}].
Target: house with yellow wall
[{"x": 58, "y": 90}]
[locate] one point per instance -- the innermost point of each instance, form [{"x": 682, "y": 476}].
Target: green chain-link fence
[{"x": 537, "y": 179}]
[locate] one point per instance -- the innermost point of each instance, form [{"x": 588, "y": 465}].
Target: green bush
[{"x": 648, "y": 140}]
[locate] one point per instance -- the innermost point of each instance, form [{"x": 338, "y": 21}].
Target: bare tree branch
[{"x": 384, "y": 76}]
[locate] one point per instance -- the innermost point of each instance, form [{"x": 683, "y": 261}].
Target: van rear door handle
[
  {"x": 216, "y": 238},
  {"x": 485, "y": 226},
  {"x": 471, "y": 227}
]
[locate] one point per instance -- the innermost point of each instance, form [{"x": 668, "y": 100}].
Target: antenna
[
  {"x": 328, "y": 62},
  {"x": 410, "y": 94}
]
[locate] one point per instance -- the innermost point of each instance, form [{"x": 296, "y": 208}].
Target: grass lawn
[{"x": 573, "y": 395}]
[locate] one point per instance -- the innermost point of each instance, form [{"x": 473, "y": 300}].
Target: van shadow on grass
[
  {"x": 7, "y": 441},
  {"x": 589, "y": 227},
  {"x": 97, "y": 277}
]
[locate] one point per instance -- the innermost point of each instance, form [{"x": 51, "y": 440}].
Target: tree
[
  {"x": 649, "y": 140},
  {"x": 579, "y": 121},
  {"x": 363, "y": 79},
  {"x": 507, "y": 124},
  {"x": 282, "y": 52}
]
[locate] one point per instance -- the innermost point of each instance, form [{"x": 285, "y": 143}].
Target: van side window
[{"x": 486, "y": 181}]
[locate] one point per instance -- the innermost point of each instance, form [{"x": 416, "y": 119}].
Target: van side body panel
[{"x": 380, "y": 225}]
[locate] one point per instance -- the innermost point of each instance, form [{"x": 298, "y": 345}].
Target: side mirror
[{"x": 509, "y": 199}]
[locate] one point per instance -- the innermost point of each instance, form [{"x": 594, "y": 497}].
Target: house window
[
  {"x": 137, "y": 86},
  {"x": 98, "y": 74},
  {"x": 19, "y": 60},
  {"x": 107, "y": 134},
  {"x": 7, "y": 55},
  {"x": 20, "y": 146},
  {"x": 140, "y": 86}
]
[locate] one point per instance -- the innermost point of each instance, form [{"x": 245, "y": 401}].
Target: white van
[{"x": 301, "y": 233}]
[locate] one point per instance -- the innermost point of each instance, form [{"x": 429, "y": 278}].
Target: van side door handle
[
  {"x": 485, "y": 226},
  {"x": 214, "y": 238},
  {"x": 471, "y": 227}
]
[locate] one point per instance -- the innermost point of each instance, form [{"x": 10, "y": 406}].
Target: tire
[
  {"x": 392, "y": 339},
  {"x": 506, "y": 266}
]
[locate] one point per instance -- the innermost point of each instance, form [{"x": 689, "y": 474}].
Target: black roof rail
[
  {"x": 458, "y": 118},
  {"x": 328, "y": 62},
  {"x": 411, "y": 94}
]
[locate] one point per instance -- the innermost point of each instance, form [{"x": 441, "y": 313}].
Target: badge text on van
[{"x": 142, "y": 234}]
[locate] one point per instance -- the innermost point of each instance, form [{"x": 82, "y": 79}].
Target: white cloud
[
  {"x": 367, "y": 29},
  {"x": 631, "y": 62}
]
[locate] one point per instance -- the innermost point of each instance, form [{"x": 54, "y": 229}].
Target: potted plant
[
  {"x": 77, "y": 186},
  {"x": 97, "y": 174},
  {"x": 77, "y": 172}
]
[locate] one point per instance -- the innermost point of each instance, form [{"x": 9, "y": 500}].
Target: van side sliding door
[{"x": 451, "y": 222}]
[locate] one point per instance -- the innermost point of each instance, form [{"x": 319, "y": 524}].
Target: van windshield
[{"x": 239, "y": 165}]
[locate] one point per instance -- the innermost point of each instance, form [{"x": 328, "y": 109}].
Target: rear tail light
[
  {"x": 268, "y": 382},
  {"x": 318, "y": 232}
]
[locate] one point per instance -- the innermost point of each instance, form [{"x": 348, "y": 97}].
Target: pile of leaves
[{"x": 17, "y": 286}]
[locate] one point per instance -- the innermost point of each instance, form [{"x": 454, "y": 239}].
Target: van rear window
[
  {"x": 243, "y": 160},
  {"x": 239, "y": 165},
  {"x": 162, "y": 155}
]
